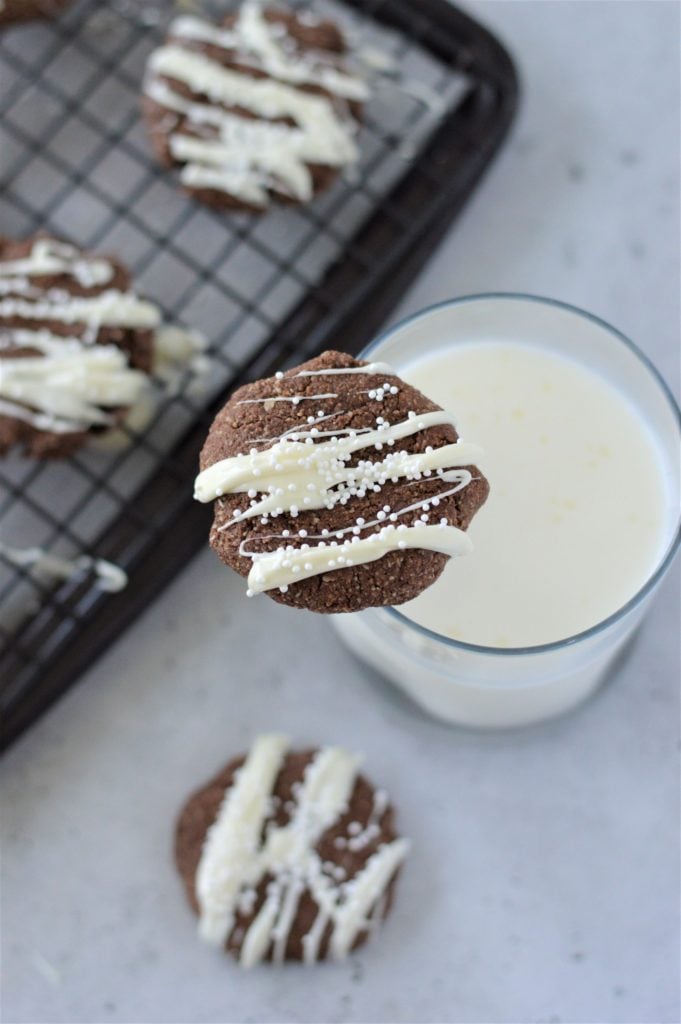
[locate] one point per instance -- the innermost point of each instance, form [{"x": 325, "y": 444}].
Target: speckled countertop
[{"x": 544, "y": 884}]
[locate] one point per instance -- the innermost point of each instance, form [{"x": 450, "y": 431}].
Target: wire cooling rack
[{"x": 266, "y": 292}]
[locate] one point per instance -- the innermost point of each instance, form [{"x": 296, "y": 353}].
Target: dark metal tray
[{"x": 267, "y": 292}]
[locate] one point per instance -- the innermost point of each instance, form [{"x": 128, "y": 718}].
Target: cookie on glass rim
[
  {"x": 337, "y": 486},
  {"x": 261, "y": 107},
  {"x": 289, "y": 855}
]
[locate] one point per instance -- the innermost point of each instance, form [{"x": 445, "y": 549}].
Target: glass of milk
[{"x": 582, "y": 443}]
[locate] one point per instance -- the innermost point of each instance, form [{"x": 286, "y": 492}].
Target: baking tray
[{"x": 265, "y": 291}]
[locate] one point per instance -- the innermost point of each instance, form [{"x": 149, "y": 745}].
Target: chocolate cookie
[
  {"x": 25, "y": 10},
  {"x": 289, "y": 855},
  {"x": 76, "y": 345},
  {"x": 260, "y": 107},
  {"x": 337, "y": 486}
]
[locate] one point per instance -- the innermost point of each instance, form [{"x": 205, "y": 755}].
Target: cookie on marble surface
[
  {"x": 262, "y": 107},
  {"x": 25, "y": 10},
  {"x": 289, "y": 855},
  {"x": 76, "y": 345},
  {"x": 337, "y": 486}
]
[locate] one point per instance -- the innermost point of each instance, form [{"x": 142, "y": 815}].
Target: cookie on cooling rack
[
  {"x": 25, "y": 10},
  {"x": 76, "y": 344},
  {"x": 289, "y": 855},
  {"x": 337, "y": 486},
  {"x": 258, "y": 108}
]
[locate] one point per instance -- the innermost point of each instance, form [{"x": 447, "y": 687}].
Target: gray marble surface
[{"x": 544, "y": 883}]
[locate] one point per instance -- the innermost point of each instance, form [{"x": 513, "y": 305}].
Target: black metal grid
[{"x": 266, "y": 291}]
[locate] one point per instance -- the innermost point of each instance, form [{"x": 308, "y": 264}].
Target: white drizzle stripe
[
  {"x": 243, "y": 472},
  {"x": 218, "y": 160},
  {"x": 245, "y": 159},
  {"x": 293, "y": 399},
  {"x": 362, "y": 893},
  {"x": 291, "y": 565},
  {"x": 288, "y": 856},
  {"x": 253, "y": 36},
  {"x": 301, "y": 430},
  {"x": 382, "y": 369},
  {"x": 39, "y": 420},
  {"x": 332, "y": 481},
  {"x": 287, "y": 913},
  {"x": 18, "y": 286},
  {"x": 330, "y": 537},
  {"x": 313, "y": 939},
  {"x": 232, "y": 841},
  {"x": 361, "y": 837},
  {"x": 109, "y": 577},
  {"x": 207, "y": 166},
  {"x": 43, "y": 340},
  {"x": 108, "y": 309},
  {"x": 178, "y": 352},
  {"x": 259, "y": 935},
  {"x": 49, "y": 257},
  {"x": 71, "y": 383}
]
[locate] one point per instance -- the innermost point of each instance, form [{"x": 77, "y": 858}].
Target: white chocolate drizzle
[
  {"x": 232, "y": 841},
  {"x": 294, "y": 469},
  {"x": 49, "y": 257},
  {"x": 333, "y": 371},
  {"x": 108, "y": 309},
  {"x": 69, "y": 386},
  {"x": 178, "y": 352},
  {"x": 293, "y": 399},
  {"x": 291, "y": 565},
  {"x": 236, "y": 857},
  {"x": 243, "y": 157},
  {"x": 108, "y": 577},
  {"x": 266, "y": 46}
]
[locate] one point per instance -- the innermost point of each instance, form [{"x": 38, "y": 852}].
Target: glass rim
[{"x": 665, "y": 561}]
